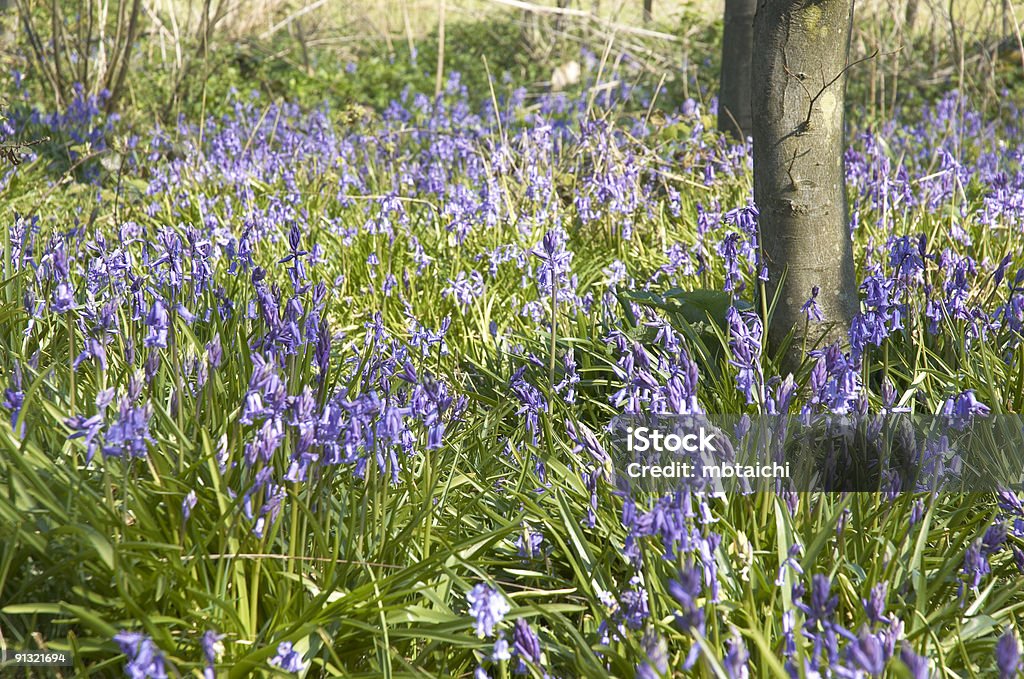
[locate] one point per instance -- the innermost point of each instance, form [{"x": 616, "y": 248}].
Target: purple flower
[
  {"x": 501, "y": 650},
  {"x": 686, "y": 590},
  {"x": 63, "y": 298},
  {"x": 994, "y": 538},
  {"x": 188, "y": 504},
  {"x": 917, "y": 512},
  {"x": 736, "y": 659},
  {"x": 976, "y": 564},
  {"x": 87, "y": 429},
  {"x": 531, "y": 400},
  {"x": 823, "y": 602},
  {"x": 811, "y": 310},
  {"x": 14, "y": 399},
  {"x": 656, "y": 665},
  {"x": 917, "y": 665},
  {"x": 819, "y": 625},
  {"x": 745, "y": 333},
  {"x": 158, "y": 322},
  {"x": 730, "y": 250},
  {"x": 874, "y": 605},
  {"x": 323, "y": 350},
  {"x": 214, "y": 352},
  {"x": 528, "y": 543},
  {"x": 129, "y": 435},
  {"x": 614, "y": 274},
  {"x": 144, "y": 657},
  {"x": 1008, "y": 655},
  {"x": 465, "y": 289},
  {"x": 835, "y": 381},
  {"x": 488, "y": 608},
  {"x": 287, "y": 658},
  {"x": 791, "y": 561},
  {"x": 212, "y": 649},
  {"x": 842, "y": 521},
  {"x": 867, "y": 655},
  {"x": 526, "y": 643},
  {"x": 553, "y": 279},
  {"x": 962, "y": 409}
]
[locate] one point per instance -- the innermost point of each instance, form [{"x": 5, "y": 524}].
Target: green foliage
[{"x": 370, "y": 576}]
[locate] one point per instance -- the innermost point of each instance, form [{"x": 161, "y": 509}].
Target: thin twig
[
  {"x": 439, "y": 78},
  {"x": 567, "y": 11},
  {"x": 291, "y": 18}
]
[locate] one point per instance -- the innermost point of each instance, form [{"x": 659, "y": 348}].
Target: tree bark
[
  {"x": 799, "y": 82},
  {"x": 910, "y": 18},
  {"x": 734, "y": 115},
  {"x": 7, "y": 25}
]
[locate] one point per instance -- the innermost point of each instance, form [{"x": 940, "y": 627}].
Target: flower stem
[{"x": 551, "y": 358}]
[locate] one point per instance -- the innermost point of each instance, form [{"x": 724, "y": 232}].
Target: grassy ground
[{"x": 325, "y": 391}]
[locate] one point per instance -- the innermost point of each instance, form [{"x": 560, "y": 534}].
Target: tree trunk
[
  {"x": 799, "y": 82},
  {"x": 648, "y": 10},
  {"x": 910, "y": 17},
  {"x": 8, "y": 24},
  {"x": 734, "y": 87}
]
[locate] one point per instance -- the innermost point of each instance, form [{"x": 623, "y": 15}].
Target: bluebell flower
[
  {"x": 88, "y": 429},
  {"x": 488, "y": 608},
  {"x": 553, "y": 275},
  {"x": 736, "y": 659},
  {"x": 158, "y": 322},
  {"x": 874, "y": 605},
  {"x": 1008, "y": 655},
  {"x": 745, "y": 337},
  {"x": 526, "y": 644},
  {"x": 916, "y": 512},
  {"x": 465, "y": 289},
  {"x": 656, "y": 664},
  {"x": 128, "y": 435},
  {"x": 212, "y": 650},
  {"x": 63, "y": 298},
  {"x": 214, "y": 352},
  {"x": 188, "y": 504},
  {"x": 810, "y": 309},
  {"x": 916, "y": 665},
  {"x": 867, "y": 656},
  {"x": 963, "y": 408},
  {"x": 975, "y": 565},
  {"x": 528, "y": 543},
  {"x": 686, "y": 589},
  {"x": 792, "y": 561},
  {"x": 500, "y": 651},
  {"x": 287, "y": 658},
  {"x": 145, "y": 660},
  {"x": 14, "y": 399}
]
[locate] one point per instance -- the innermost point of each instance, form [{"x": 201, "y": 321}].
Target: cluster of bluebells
[
  {"x": 473, "y": 203},
  {"x": 144, "y": 657},
  {"x": 488, "y": 608}
]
